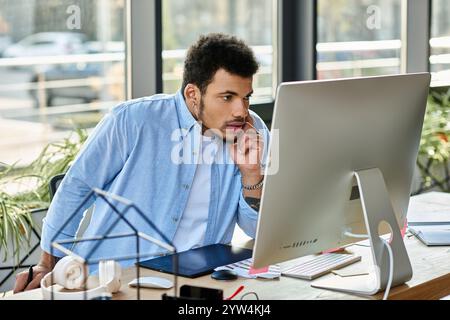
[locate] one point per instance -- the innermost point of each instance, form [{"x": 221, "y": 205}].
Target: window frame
[
  {"x": 297, "y": 31},
  {"x": 416, "y": 33},
  {"x": 143, "y": 47}
]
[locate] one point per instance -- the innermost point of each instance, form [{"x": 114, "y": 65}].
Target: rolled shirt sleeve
[{"x": 247, "y": 217}]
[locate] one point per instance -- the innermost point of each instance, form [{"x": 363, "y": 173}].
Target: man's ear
[
  {"x": 192, "y": 96},
  {"x": 190, "y": 93}
]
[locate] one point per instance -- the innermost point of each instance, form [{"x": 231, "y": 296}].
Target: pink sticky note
[
  {"x": 335, "y": 250},
  {"x": 257, "y": 271},
  {"x": 405, "y": 227}
]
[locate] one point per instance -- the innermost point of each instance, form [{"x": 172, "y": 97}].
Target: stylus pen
[{"x": 30, "y": 276}]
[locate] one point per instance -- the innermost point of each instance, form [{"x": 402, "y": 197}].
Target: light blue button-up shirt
[{"x": 135, "y": 152}]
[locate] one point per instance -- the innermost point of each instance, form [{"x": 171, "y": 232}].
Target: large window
[
  {"x": 61, "y": 68},
  {"x": 358, "y": 38},
  {"x": 185, "y": 20},
  {"x": 62, "y": 62},
  {"x": 440, "y": 41}
]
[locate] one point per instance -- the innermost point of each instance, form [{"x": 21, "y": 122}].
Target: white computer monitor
[{"x": 340, "y": 142}]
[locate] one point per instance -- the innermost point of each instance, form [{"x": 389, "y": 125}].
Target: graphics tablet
[{"x": 200, "y": 261}]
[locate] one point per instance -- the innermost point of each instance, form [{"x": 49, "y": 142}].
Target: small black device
[
  {"x": 200, "y": 293},
  {"x": 224, "y": 275},
  {"x": 200, "y": 261}
]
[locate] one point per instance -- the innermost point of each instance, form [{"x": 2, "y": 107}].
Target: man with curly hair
[{"x": 191, "y": 161}]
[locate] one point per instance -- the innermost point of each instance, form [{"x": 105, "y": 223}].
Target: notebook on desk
[{"x": 432, "y": 234}]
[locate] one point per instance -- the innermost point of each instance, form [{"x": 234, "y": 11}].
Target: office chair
[{"x": 54, "y": 184}]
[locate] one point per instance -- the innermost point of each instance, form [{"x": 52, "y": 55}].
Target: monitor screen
[{"x": 329, "y": 133}]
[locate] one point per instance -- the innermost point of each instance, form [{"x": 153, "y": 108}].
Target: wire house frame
[{"x": 168, "y": 245}]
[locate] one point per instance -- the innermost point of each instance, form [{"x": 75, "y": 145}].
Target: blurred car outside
[
  {"x": 83, "y": 81},
  {"x": 47, "y": 44}
]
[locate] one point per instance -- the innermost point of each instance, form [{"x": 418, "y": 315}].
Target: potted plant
[
  {"x": 434, "y": 151},
  {"x": 19, "y": 210}
]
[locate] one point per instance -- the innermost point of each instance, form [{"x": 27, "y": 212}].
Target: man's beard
[{"x": 226, "y": 135}]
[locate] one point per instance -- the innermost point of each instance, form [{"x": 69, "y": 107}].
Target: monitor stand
[{"x": 377, "y": 208}]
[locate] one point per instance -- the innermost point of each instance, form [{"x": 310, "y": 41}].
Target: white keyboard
[{"x": 320, "y": 265}]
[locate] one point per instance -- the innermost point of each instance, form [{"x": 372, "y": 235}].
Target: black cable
[{"x": 248, "y": 293}]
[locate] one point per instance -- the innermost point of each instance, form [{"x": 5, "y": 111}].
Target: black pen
[{"x": 30, "y": 276}]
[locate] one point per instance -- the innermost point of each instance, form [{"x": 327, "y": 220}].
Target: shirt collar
[{"x": 187, "y": 121}]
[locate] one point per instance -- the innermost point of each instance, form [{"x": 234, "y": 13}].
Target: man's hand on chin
[{"x": 247, "y": 154}]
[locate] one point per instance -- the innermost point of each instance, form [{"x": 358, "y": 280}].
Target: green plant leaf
[{"x": 15, "y": 209}]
